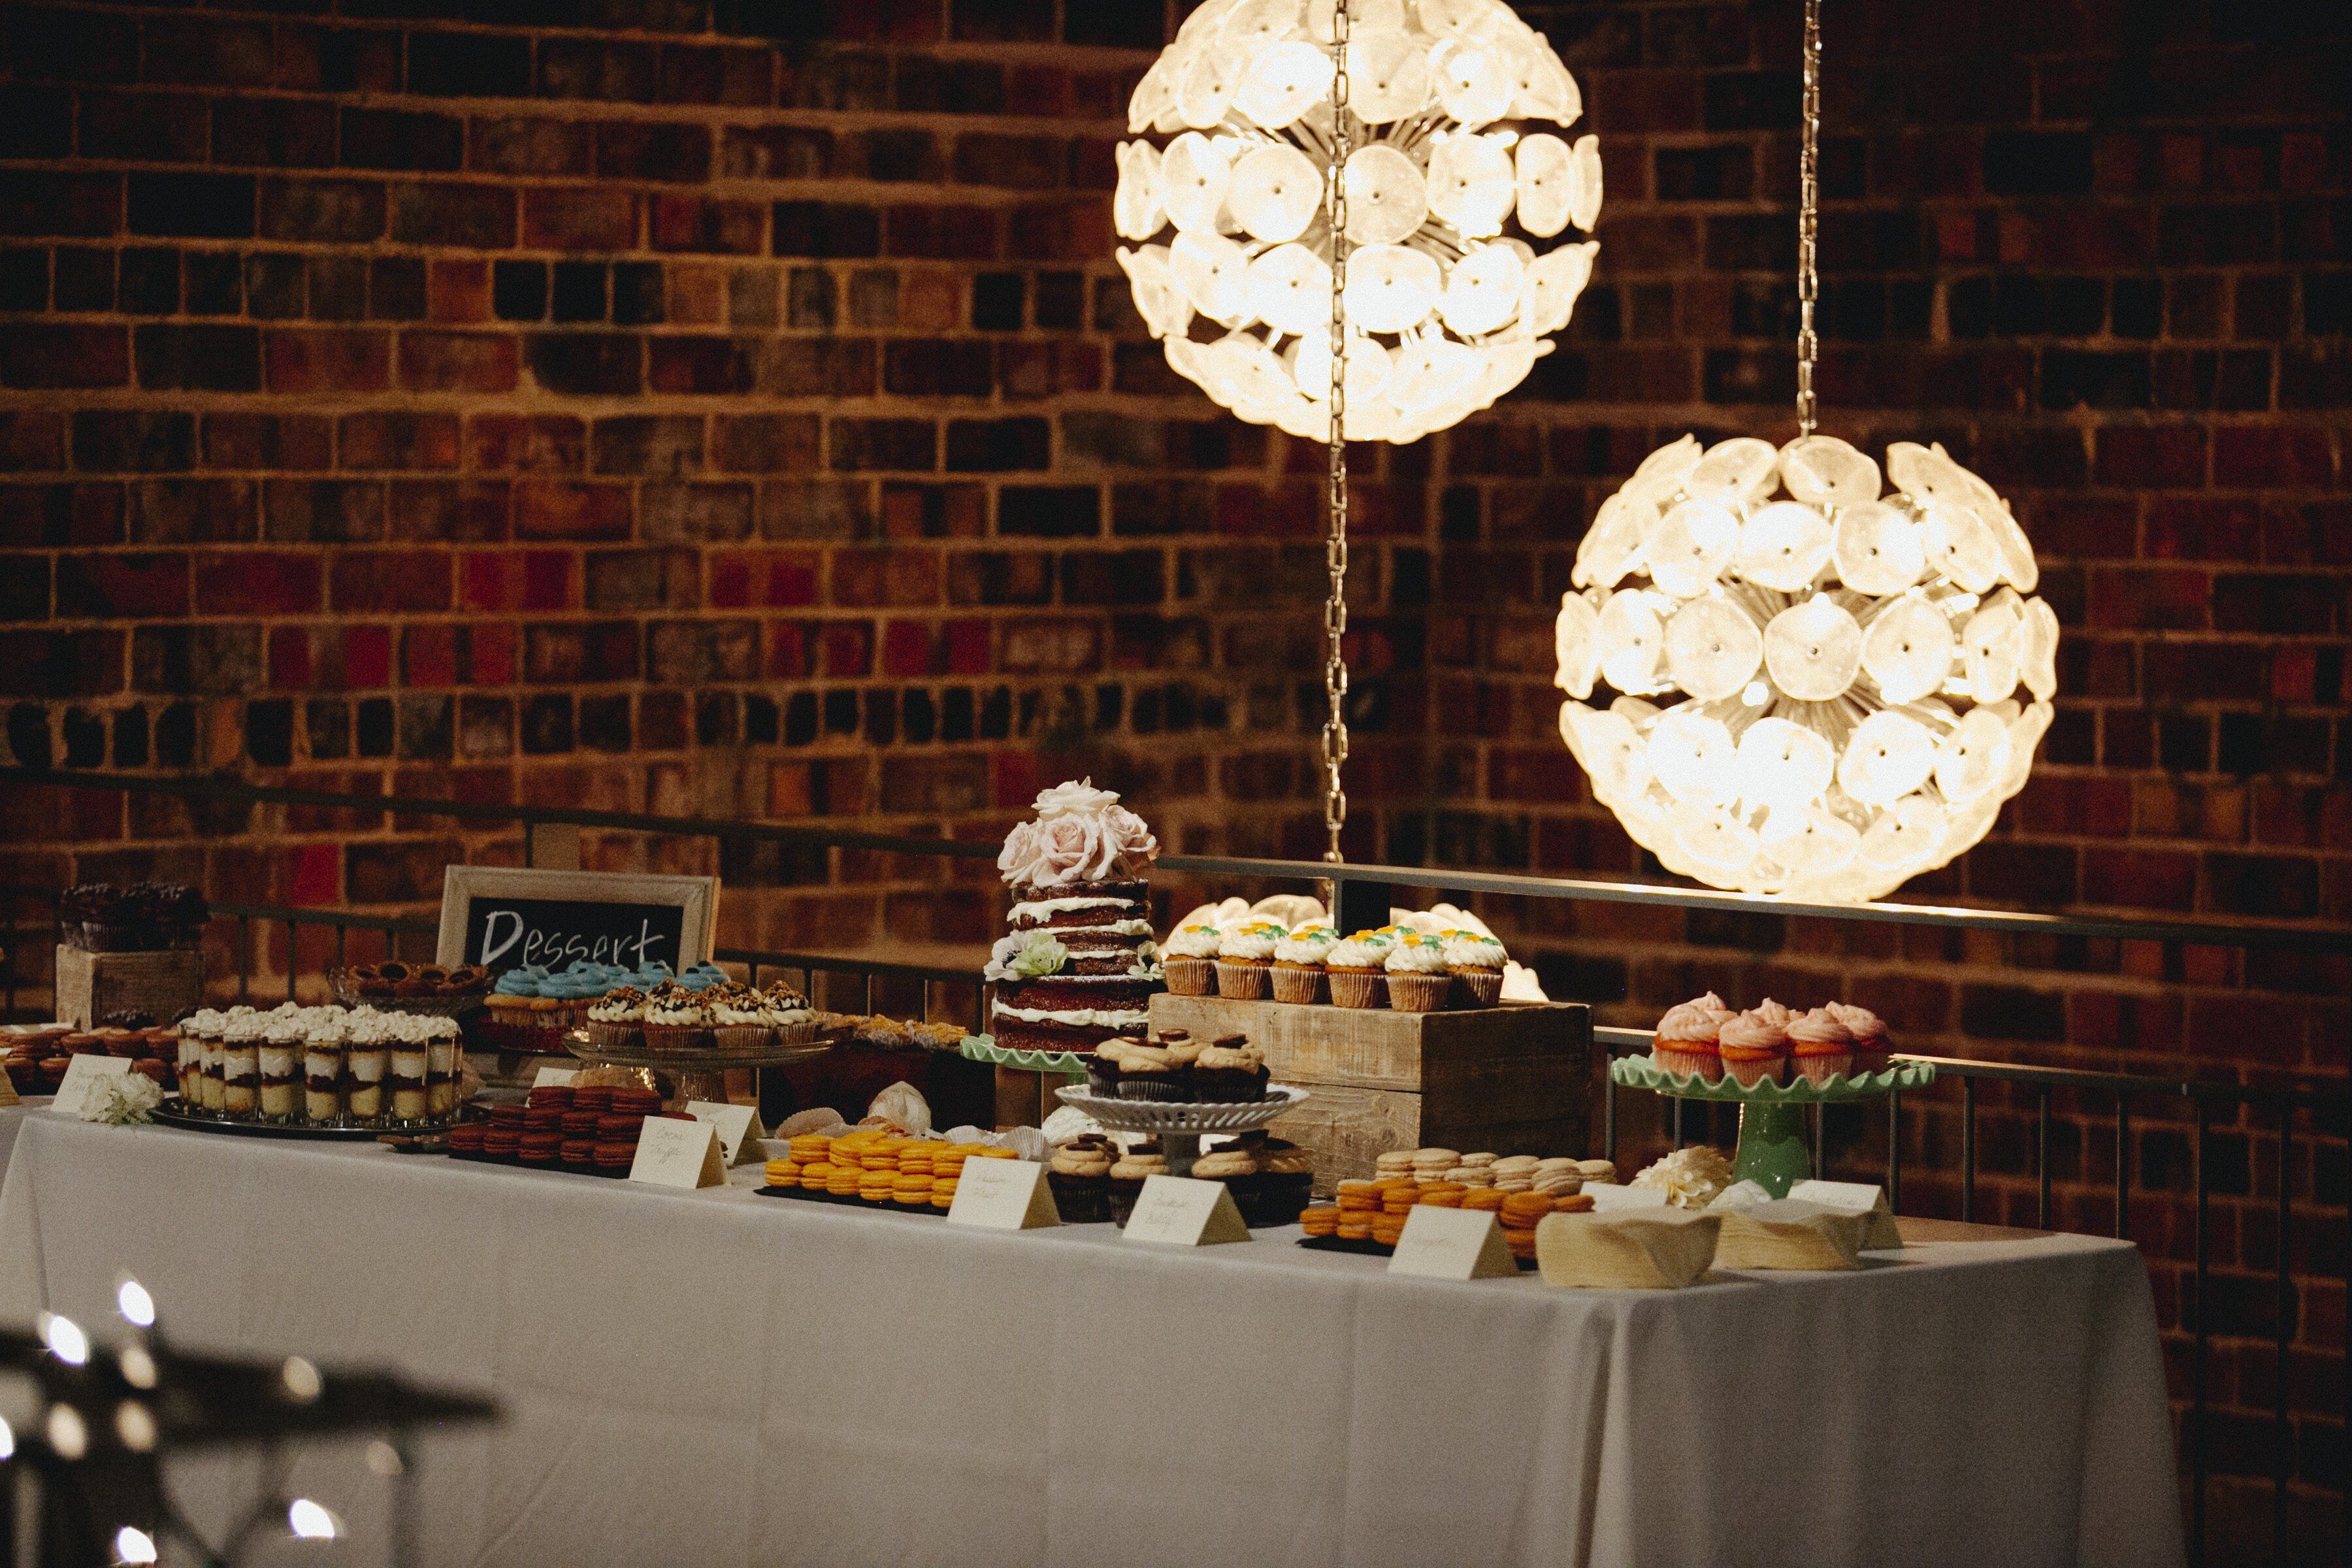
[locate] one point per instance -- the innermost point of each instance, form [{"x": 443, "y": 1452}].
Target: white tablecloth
[{"x": 718, "y": 1377}]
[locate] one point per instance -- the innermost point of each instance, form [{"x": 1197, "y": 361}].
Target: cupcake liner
[
  {"x": 623, "y": 1036},
  {"x": 1751, "y": 1069},
  {"x": 1704, "y": 1065},
  {"x": 799, "y": 1033},
  {"x": 1298, "y": 985},
  {"x": 1160, "y": 1085},
  {"x": 1240, "y": 982},
  {"x": 675, "y": 1039},
  {"x": 1478, "y": 987},
  {"x": 1080, "y": 1200},
  {"x": 1410, "y": 993},
  {"x": 1123, "y": 1195},
  {"x": 1102, "y": 1077},
  {"x": 1191, "y": 977},
  {"x": 1359, "y": 988},
  {"x": 1229, "y": 1086},
  {"x": 1820, "y": 1067},
  {"x": 742, "y": 1039}
]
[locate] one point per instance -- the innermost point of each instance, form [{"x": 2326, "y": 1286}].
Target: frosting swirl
[
  {"x": 1468, "y": 950},
  {"x": 1819, "y": 1028},
  {"x": 1698, "y": 1021},
  {"x": 1194, "y": 942},
  {"x": 1311, "y": 946},
  {"x": 1753, "y": 1030},
  {"x": 1232, "y": 1053},
  {"x": 1416, "y": 955},
  {"x": 1255, "y": 941},
  {"x": 1365, "y": 949},
  {"x": 1863, "y": 1024}
]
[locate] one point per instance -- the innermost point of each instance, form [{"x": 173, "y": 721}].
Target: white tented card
[
  {"x": 1181, "y": 1212},
  {"x": 673, "y": 1153},
  {"x": 554, "y": 1076},
  {"x": 1003, "y": 1194},
  {"x": 1855, "y": 1198},
  {"x": 85, "y": 1070},
  {"x": 1608, "y": 1197},
  {"x": 739, "y": 1128},
  {"x": 1452, "y": 1244}
]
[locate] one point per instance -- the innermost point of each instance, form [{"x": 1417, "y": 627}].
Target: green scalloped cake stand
[
  {"x": 1772, "y": 1152},
  {"x": 984, "y": 1048}
]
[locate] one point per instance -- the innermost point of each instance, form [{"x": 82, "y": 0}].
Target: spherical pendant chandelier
[
  {"x": 1846, "y": 662},
  {"x": 1449, "y": 183}
]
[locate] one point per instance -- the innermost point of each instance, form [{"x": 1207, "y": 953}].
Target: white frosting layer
[
  {"x": 276, "y": 1061},
  {"x": 1082, "y": 1018},
  {"x": 1041, "y": 908}
]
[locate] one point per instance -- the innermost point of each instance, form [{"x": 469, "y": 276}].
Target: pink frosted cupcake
[
  {"x": 1871, "y": 1046},
  {"x": 1687, "y": 1042},
  {"x": 1755, "y": 1045},
  {"x": 1821, "y": 1047}
]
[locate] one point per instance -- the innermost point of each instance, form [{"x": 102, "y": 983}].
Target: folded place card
[
  {"x": 1183, "y": 1211},
  {"x": 739, "y": 1128},
  {"x": 554, "y": 1076},
  {"x": 1788, "y": 1232},
  {"x": 673, "y": 1153},
  {"x": 1856, "y": 1197},
  {"x": 1608, "y": 1197},
  {"x": 1003, "y": 1194},
  {"x": 1452, "y": 1244},
  {"x": 85, "y": 1070},
  {"x": 1650, "y": 1249}
]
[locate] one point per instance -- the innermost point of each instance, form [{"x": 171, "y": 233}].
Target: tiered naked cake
[{"x": 1079, "y": 966}]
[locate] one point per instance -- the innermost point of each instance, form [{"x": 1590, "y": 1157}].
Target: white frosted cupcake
[
  {"x": 1419, "y": 978},
  {"x": 739, "y": 1018},
  {"x": 788, "y": 1014},
  {"x": 617, "y": 1018},
  {"x": 1191, "y": 956},
  {"x": 1476, "y": 965},
  {"x": 1298, "y": 959},
  {"x": 1357, "y": 969},
  {"x": 1246, "y": 960}
]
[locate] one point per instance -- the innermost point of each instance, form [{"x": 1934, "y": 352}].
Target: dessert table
[{"x": 716, "y": 1376}]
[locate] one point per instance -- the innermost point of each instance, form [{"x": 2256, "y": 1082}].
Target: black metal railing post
[
  {"x": 1968, "y": 1149},
  {"x": 2196, "y": 1455}
]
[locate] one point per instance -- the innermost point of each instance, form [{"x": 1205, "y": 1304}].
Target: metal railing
[{"x": 1364, "y": 892}]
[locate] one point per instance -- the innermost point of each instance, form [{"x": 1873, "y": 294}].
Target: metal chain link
[
  {"x": 1335, "y": 609},
  {"x": 1809, "y": 195}
]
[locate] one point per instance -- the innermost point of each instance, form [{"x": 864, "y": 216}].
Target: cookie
[
  {"x": 1524, "y": 1208},
  {"x": 1395, "y": 1162},
  {"x": 1320, "y": 1221},
  {"x": 1477, "y": 1161},
  {"x": 1485, "y": 1198},
  {"x": 1471, "y": 1176},
  {"x": 1573, "y": 1202},
  {"x": 1516, "y": 1165}
]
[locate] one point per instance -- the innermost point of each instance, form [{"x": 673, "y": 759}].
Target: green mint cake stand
[
  {"x": 984, "y": 1048},
  {"x": 1772, "y": 1152}
]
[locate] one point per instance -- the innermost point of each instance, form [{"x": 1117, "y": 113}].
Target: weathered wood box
[
  {"x": 95, "y": 985},
  {"x": 1517, "y": 1078}
]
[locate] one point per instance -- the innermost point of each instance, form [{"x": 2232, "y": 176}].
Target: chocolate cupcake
[
  {"x": 1102, "y": 1068},
  {"x": 1148, "y": 1071},
  {"x": 1230, "y": 1070},
  {"x": 1128, "y": 1173},
  {"x": 1079, "y": 1175},
  {"x": 1283, "y": 1188}
]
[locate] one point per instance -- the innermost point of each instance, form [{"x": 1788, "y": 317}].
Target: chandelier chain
[
  {"x": 1809, "y": 193},
  {"x": 1335, "y": 609}
]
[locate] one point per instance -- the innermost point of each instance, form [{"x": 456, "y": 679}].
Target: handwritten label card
[
  {"x": 1178, "y": 1211},
  {"x": 1855, "y": 1198},
  {"x": 554, "y": 1076},
  {"x": 1003, "y": 1194},
  {"x": 738, "y": 1126},
  {"x": 1608, "y": 1197},
  {"x": 1452, "y": 1244},
  {"x": 673, "y": 1153},
  {"x": 84, "y": 1071}
]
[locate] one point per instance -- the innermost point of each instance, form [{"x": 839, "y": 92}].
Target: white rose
[{"x": 1074, "y": 799}]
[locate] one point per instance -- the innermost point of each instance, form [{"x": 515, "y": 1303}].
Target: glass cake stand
[
  {"x": 700, "y": 1075},
  {"x": 1180, "y": 1128},
  {"x": 984, "y": 1048},
  {"x": 1772, "y": 1151}
]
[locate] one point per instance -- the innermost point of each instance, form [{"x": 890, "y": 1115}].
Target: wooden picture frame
[{"x": 463, "y": 886}]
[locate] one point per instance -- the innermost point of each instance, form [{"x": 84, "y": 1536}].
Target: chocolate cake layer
[{"x": 1063, "y": 992}]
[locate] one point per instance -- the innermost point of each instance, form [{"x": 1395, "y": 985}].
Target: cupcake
[
  {"x": 788, "y": 1014},
  {"x": 1190, "y": 957},
  {"x": 1237, "y": 1166},
  {"x": 703, "y": 976},
  {"x": 1686, "y": 1044},
  {"x": 1128, "y": 1173},
  {"x": 738, "y": 1016},
  {"x": 675, "y": 1021},
  {"x": 1285, "y": 1186},
  {"x": 1297, "y": 974},
  {"x": 1477, "y": 963},
  {"x": 617, "y": 1019},
  {"x": 1229, "y": 1070},
  {"x": 1246, "y": 960},
  {"x": 1102, "y": 1068},
  {"x": 1356, "y": 968},
  {"x": 1079, "y": 1175},
  {"x": 1419, "y": 977},
  {"x": 1821, "y": 1046},
  {"x": 1755, "y": 1045},
  {"x": 1871, "y": 1047},
  {"x": 514, "y": 1001},
  {"x": 1147, "y": 1071}
]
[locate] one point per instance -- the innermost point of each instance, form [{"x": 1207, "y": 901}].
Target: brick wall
[{"x": 733, "y": 409}]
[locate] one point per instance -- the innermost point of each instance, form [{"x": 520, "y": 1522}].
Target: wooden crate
[
  {"x": 94, "y": 985},
  {"x": 1517, "y": 1078}
]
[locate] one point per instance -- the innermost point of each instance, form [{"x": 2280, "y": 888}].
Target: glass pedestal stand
[
  {"x": 1773, "y": 1151},
  {"x": 1180, "y": 1128},
  {"x": 698, "y": 1075},
  {"x": 1056, "y": 1064}
]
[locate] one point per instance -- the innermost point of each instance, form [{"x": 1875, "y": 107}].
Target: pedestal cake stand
[
  {"x": 1180, "y": 1128},
  {"x": 1060, "y": 1064},
  {"x": 1772, "y": 1152},
  {"x": 700, "y": 1074}
]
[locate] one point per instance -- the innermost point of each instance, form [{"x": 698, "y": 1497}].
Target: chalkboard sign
[{"x": 505, "y": 918}]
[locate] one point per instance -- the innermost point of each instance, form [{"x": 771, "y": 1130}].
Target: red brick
[
  {"x": 547, "y": 509},
  {"x": 764, "y": 579},
  {"x": 582, "y": 217},
  {"x": 257, "y": 582},
  {"x": 519, "y": 580},
  {"x": 336, "y": 360},
  {"x": 394, "y": 582},
  {"x": 40, "y": 355},
  {"x": 458, "y": 362}
]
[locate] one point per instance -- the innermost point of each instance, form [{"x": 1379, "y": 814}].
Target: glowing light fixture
[
  {"x": 1440, "y": 293},
  {"x": 1847, "y": 662}
]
